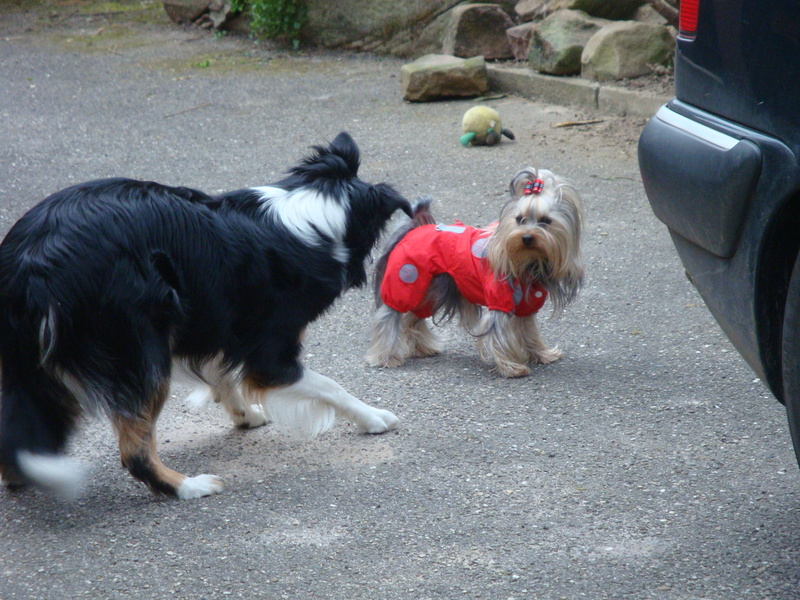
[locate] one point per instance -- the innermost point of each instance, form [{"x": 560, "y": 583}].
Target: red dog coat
[{"x": 459, "y": 251}]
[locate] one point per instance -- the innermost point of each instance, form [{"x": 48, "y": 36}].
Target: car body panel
[
  {"x": 732, "y": 203},
  {"x": 744, "y": 65},
  {"x": 707, "y": 164},
  {"x": 738, "y": 282}
]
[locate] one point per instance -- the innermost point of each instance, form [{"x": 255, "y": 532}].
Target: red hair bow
[{"x": 533, "y": 187}]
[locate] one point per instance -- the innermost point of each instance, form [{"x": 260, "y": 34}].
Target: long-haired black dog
[{"x": 104, "y": 285}]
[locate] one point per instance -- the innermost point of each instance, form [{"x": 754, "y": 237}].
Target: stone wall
[
  {"x": 408, "y": 28},
  {"x": 552, "y": 36}
]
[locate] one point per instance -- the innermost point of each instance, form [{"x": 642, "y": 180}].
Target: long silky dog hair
[
  {"x": 536, "y": 242},
  {"x": 105, "y": 284}
]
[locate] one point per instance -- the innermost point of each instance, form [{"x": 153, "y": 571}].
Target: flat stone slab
[{"x": 439, "y": 76}]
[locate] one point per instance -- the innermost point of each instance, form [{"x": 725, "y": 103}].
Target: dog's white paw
[
  {"x": 199, "y": 486},
  {"x": 251, "y": 418},
  {"x": 377, "y": 421}
]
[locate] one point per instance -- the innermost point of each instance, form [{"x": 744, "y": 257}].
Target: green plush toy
[{"x": 482, "y": 126}]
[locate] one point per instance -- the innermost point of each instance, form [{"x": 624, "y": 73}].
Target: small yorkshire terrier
[{"x": 510, "y": 267}]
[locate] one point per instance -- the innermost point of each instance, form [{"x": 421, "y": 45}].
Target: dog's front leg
[
  {"x": 502, "y": 343},
  {"x": 538, "y": 350},
  {"x": 304, "y": 404},
  {"x": 243, "y": 414}
]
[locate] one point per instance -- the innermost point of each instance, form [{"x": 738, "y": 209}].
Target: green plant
[{"x": 274, "y": 19}]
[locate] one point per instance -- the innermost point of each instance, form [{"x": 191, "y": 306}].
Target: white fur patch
[
  {"x": 59, "y": 474},
  {"x": 220, "y": 387},
  {"x": 307, "y": 213},
  {"x": 310, "y": 406},
  {"x": 199, "y": 486},
  {"x": 199, "y": 399},
  {"x": 300, "y": 417}
]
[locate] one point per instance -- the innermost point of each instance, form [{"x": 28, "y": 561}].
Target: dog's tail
[
  {"x": 37, "y": 413},
  {"x": 61, "y": 475},
  {"x": 34, "y": 426},
  {"x": 422, "y": 216}
]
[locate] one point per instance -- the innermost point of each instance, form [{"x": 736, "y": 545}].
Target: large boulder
[
  {"x": 626, "y": 49},
  {"x": 558, "y": 41},
  {"x": 438, "y": 76},
  {"x": 185, "y": 11},
  {"x": 478, "y": 29}
]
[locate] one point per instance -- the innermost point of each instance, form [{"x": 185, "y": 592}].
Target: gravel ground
[{"x": 648, "y": 463}]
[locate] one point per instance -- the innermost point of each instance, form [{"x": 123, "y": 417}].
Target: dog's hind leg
[
  {"x": 392, "y": 341},
  {"x": 137, "y": 447},
  {"x": 425, "y": 340},
  {"x": 310, "y": 405}
]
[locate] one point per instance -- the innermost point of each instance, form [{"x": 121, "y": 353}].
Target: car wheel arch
[{"x": 776, "y": 262}]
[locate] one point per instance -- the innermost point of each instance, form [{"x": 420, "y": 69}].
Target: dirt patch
[
  {"x": 35, "y": 16},
  {"x": 660, "y": 82}
]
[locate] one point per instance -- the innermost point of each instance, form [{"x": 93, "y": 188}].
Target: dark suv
[{"x": 720, "y": 168}]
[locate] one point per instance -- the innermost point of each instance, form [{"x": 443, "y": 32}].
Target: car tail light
[{"x": 688, "y": 18}]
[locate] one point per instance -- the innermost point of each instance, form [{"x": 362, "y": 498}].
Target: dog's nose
[{"x": 528, "y": 240}]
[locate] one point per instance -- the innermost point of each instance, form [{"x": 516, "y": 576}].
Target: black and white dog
[{"x": 107, "y": 284}]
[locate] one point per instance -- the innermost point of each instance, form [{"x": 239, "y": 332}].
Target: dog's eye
[
  {"x": 545, "y": 221},
  {"x": 520, "y": 220}
]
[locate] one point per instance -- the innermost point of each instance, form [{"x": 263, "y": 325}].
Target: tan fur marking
[{"x": 137, "y": 439}]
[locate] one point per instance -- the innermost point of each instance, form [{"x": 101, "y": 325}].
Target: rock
[
  {"x": 219, "y": 13},
  {"x": 519, "y": 40},
  {"x": 185, "y": 11},
  {"x": 528, "y": 10},
  {"x": 647, "y": 14},
  {"x": 382, "y": 26},
  {"x": 437, "y": 76},
  {"x": 606, "y": 9},
  {"x": 478, "y": 30},
  {"x": 626, "y": 49},
  {"x": 558, "y": 41},
  {"x": 506, "y": 5}
]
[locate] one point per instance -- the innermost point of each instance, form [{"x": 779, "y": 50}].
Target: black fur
[{"x": 108, "y": 281}]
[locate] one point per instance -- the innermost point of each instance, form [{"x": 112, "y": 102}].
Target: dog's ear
[
  {"x": 391, "y": 200},
  {"x": 345, "y": 147}
]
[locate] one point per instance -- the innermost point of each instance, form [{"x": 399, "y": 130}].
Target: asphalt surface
[{"x": 648, "y": 463}]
